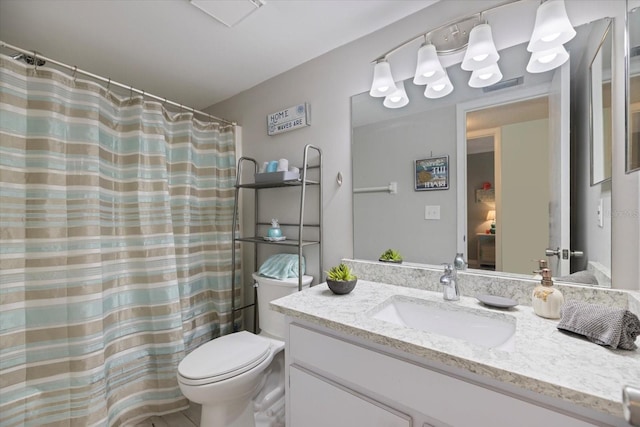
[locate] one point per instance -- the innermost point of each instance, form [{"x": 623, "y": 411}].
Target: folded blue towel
[{"x": 281, "y": 266}]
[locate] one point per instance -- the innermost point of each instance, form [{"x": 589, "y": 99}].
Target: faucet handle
[
  {"x": 448, "y": 268},
  {"x": 459, "y": 263}
]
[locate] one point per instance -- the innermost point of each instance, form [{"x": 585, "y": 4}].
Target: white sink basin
[{"x": 490, "y": 330}]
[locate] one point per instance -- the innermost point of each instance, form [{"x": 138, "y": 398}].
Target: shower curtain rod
[{"x": 77, "y": 70}]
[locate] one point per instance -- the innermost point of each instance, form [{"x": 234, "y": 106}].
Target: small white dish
[
  {"x": 496, "y": 301},
  {"x": 275, "y": 239}
]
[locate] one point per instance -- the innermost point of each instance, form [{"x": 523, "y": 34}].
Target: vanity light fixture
[
  {"x": 547, "y": 59},
  {"x": 481, "y": 51},
  {"x": 552, "y": 27},
  {"x": 383, "y": 83},
  {"x": 429, "y": 69},
  {"x": 485, "y": 76},
  {"x": 398, "y": 98},
  {"x": 473, "y": 36},
  {"x": 439, "y": 89}
]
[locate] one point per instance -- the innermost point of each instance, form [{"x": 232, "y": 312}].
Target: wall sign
[
  {"x": 288, "y": 119},
  {"x": 432, "y": 173}
]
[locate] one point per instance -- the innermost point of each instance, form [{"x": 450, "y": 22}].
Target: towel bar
[{"x": 392, "y": 188}]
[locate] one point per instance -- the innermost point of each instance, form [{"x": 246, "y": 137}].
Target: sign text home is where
[{"x": 288, "y": 119}]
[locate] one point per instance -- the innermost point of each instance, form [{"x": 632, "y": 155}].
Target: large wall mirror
[
  {"x": 633, "y": 87},
  {"x": 386, "y": 143}
]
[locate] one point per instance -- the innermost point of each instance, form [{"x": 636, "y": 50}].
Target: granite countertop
[{"x": 544, "y": 359}]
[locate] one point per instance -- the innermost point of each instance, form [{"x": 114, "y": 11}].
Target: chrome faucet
[
  {"x": 459, "y": 263},
  {"x": 449, "y": 282}
]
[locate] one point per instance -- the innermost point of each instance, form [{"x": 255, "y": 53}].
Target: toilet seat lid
[{"x": 225, "y": 357}]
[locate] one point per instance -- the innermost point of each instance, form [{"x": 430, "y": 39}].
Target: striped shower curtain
[{"x": 115, "y": 249}]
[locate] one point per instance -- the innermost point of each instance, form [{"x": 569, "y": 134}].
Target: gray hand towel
[{"x": 612, "y": 327}]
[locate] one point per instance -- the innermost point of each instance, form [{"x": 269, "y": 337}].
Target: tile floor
[{"x": 187, "y": 418}]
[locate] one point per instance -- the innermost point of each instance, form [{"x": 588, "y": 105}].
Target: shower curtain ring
[
  {"x": 35, "y": 60},
  {"x": 109, "y": 84},
  {"x": 75, "y": 73},
  {"x": 130, "y": 93}
]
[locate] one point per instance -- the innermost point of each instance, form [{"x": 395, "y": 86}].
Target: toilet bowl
[{"x": 240, "y": 377}]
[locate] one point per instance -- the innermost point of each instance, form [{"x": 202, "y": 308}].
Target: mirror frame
[
  {"x": 595, "y": 180},
  {"x": 629, "y": 152}
]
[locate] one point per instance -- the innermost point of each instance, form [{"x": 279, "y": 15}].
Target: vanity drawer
[
  {"x": 317, "y": 402},
  {"x": 428, "y": 395}
]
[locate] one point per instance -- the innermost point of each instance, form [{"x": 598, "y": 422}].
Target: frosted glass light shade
[
  {"x": 429, "y": 68},
  {"x": 398, "y": 98},
  {"x": 485, "y": 76},
  {"x": 552, "y": 27},
  {"x": 481, "y": 51},
  {"x": 442, "y": 87},
  {"x": 383, "y": 83},
  {"x": 547, "y": 60}
]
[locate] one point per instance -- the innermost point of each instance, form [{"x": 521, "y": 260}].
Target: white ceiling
[{"x": 174, "y": 50}]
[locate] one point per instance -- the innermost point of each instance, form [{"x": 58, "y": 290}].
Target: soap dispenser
[
  {"x": 275, "y": 231},
  {"x": 542, "y": 263},
  {"x": 545, "y": 299}
]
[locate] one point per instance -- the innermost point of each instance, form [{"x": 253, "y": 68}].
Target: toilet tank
[{"x": 272, "y": 322}]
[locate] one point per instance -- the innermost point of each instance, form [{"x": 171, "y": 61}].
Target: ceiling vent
[
  {"x": 228, "y": 12},
  {"x": 504, "y": 84}
]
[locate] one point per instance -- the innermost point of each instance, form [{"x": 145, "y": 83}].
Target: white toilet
[{"x": 239, "y": 378}]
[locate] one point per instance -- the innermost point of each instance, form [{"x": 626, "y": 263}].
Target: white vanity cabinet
[
  {"x": 333, "y": 381},
  {"x": 322, "y": 403}
]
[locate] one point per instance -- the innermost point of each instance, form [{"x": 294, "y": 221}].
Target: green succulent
[
  {"x": 340, "y": 273},
  {"x": 391, "y": 255}
]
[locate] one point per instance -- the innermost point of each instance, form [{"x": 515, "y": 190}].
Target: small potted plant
[
  {"x": 340, "y": 279},
  {"x": 391, "y": 255}
]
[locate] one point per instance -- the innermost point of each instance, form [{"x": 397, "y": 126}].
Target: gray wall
[
  {"x": 385, "y": 152},
  {"x": 329, "y": 81}
]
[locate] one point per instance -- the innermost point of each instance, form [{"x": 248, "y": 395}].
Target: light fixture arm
[
  {"x": 397, "y": 48},
  {"x": 473, "y": 37},
  {"x": 426, "y": 35}
]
